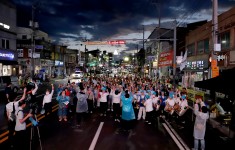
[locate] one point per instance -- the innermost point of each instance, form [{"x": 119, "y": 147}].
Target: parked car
[
  {"x": 76, "y": 74},
  {"x": 6, "y": 79}
]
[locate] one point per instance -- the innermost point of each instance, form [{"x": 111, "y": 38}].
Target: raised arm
[
  {"x": 35, "y": 89},
  {"x": 24, "y": 94}
]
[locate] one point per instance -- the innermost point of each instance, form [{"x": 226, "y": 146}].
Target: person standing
[
  {"x": 149, "y": 110},
  {"x": 20, "y": 128},
  {"x": 9, "y": 93},
  {"x": 128, "y": 114},
  {"x": 82, "y": 106},
  {"x": 116, "y": 95},
  {"x": 46, "y": 104},
  {"x": 90, "y": 99},
  {"x": 11, "y": 108},
  {"x": 200, "y": 125},
  {"x": 103, "y": 101},
  {"x": 141, "y": 100},
  {"x": 63, "y": 105}
]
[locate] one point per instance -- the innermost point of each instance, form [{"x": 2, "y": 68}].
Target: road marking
[
  {"x": 177, "y": 136},
  {"x": 173, "y": 137},
  {"x": 93, "y": 143}
]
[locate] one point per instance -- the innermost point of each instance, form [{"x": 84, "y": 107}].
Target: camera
[
  {"x": 33, "y": 108},
  {"x": 30, "y": 86}
]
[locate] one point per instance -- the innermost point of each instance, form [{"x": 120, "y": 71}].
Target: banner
[
  {"x": 166, "y": 59},
  {"x": 184, "y": 61}
]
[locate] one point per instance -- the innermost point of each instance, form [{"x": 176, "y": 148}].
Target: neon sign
[{"x": 5, "y": 55}]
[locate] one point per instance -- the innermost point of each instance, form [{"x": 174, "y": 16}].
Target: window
[
  {"x": 20, "y": 52},
  {"x": 191, "y": 50},
  {"x": 5, "y": 44},
  {"x": 206, "y": 46},
  {"x": 24, "y": 37},
  {"x": 200, "y": 47},
  {"x": 224, "y": 40},
  {"x": 203, "y": 46}
]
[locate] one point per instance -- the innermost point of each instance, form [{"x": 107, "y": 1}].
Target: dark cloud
[{"x": 105, "y": 18}]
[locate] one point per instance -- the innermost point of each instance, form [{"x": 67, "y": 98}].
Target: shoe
[
  {"x": 138, "y": 119},
  {"x": 60, "y": 119},
  {"x": 65, "y": 119},
  {"x": 111, "y": 109},
  {"x": 91, "y": 112},
  {"x": 108, "y": 109},
  {"x": 104, "y": 114},
  {"x": 101, "y": 114},
  {"x": 149, "y": 123},
  {"x": 118, "y": 120},
  {"x": 146, "y": 121}
]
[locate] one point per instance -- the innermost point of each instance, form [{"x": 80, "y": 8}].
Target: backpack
[{"x": 13, "y": 115}]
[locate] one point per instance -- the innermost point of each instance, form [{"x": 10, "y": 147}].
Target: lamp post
[
  {"x": 33, "y": 26},
  {"x": 86, "y": 56}
]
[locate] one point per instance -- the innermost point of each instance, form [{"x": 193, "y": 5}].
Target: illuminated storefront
[
  {"x": 196, "y": 69},
  {"x": 8, "y": 63}
]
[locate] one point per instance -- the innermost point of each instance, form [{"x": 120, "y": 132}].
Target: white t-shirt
[
  {"x": 47, "y": 98},
  {"x": 177, "y": 100},
  {"x": 116, "y": 98},
  {"x": 155, "y": 100},
  {"x": 103, "y": 96},
  {"x": 9, "y": 107},
  {"x": 20, "y": 115},
  {"x": 171, "y": 102},
  {"x": 183, "y": 104},
  {"x": 149, "y": 105}
]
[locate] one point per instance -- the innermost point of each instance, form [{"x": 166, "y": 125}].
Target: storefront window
[
  {"x": 0, "y": 69},
  {"x": 191, "y": 50},
  {"x": 7, "y": 70},
  {"x": 224, "y": 40}
]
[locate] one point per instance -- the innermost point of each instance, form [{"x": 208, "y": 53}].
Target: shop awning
[
  {"x": 8, "y": 62},
  {"x": 224, "y": 83}
]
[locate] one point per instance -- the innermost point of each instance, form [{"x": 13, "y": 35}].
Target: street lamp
[{"x": 33, "y": 25}]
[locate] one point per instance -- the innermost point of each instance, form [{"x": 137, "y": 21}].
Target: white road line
[
  {"x": 93, "y": 143},
  {"x": 173, "y": 137},
  {"x": 177, "y": 135}
]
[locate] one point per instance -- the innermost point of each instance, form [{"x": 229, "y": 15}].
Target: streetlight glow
[{"x": 126, "y": 58}]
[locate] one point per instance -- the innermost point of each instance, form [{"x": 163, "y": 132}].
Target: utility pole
[
  {"x": 33, "y": 25},
  {"x": 143, "y": 36},
  {"x": 215, "y": 38},
  {"x": 174, "y": 59},
  {"x": 157, "y": 4},
  {"x": 159, "y": 34}
]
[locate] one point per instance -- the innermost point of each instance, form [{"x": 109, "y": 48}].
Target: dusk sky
[{"x": 68, "y": 22}]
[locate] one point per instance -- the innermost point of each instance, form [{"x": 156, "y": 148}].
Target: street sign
[{"x": 117, "y": 42}]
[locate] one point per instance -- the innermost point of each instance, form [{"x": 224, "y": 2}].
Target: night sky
[{"x": 68, "y": 22}]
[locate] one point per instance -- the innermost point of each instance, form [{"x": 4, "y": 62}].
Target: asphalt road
[{"x": 105, "y": 134}]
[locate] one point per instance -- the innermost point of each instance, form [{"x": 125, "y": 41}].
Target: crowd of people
[{"x": 128, "y": 99}]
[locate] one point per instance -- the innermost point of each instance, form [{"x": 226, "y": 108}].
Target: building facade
[
  {"x": 200, "y": 45},
  {"x": 42, "y": 51},
  {"x": 8, "y": 55}
]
